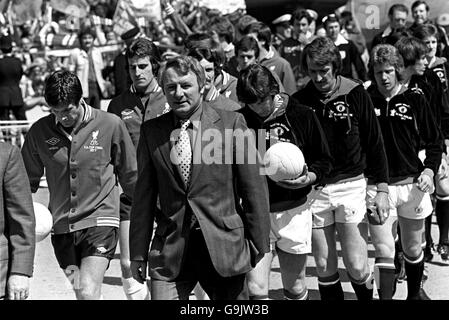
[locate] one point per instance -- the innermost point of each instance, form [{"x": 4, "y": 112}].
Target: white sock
[{"x": 134, "y": 290}]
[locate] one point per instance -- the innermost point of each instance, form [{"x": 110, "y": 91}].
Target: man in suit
[
  {"x": 10, "y": 74},
  {"x": 214, "y": 221},
  {"x": 17, "y": 224}
]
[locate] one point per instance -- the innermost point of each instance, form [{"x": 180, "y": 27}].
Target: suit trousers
[{"x": 197, "y": 267}]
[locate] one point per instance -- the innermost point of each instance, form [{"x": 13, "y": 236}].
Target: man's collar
[
  {"x": 194, "y": 118},
  {"x": 340, "y": 40},
  {"x": 150, "y": 89},
  {"x": 87, "y": 114}
]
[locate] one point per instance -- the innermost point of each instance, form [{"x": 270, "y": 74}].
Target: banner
[
  {"x": 225, "y": 7},
  {"x": 372, "y": 15},
  {"x": 24, "y": 10},
  {"x": 130, "y": 13},
  {"x": 76, "y": 8}
]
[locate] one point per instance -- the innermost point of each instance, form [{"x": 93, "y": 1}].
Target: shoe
[
  {"x": 422, "y": 295},
  {"x": 443, "y": 250}
]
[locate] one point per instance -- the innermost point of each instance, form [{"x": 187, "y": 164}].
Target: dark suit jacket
[
  {"x": 212, "y": 196},
  {"x": 17, "y": 223},
  {"x": 10, "y": 75}
]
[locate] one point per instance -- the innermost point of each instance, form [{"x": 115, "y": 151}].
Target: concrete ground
[{"x": 49, "y": 282}]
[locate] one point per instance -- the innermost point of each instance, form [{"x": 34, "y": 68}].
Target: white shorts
[
  {"x": 291, "y": 230},
  {"x": 406, "y": 201},
  {"x": 339, "y": 202}
]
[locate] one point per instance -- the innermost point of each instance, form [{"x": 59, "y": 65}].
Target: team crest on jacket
[
  {"x": 93, "y": 145},
  {"x": 401, "y": 110}
]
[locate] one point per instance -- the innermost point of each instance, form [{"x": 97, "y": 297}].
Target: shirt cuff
[{"x": 382, "y": 187}]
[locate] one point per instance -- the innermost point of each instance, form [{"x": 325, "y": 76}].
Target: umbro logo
[{"x": 52, "y": 141}]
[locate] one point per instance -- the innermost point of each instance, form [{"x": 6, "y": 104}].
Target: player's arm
[{"x": 32, "y": 160}]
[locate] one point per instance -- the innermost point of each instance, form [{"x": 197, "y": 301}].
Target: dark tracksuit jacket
[
  {"x": 407, "y": 127},
  {"x": 352, "y": 131},
  {"x": 441, "y": 68},
  {"x": 298, "y": 124}
]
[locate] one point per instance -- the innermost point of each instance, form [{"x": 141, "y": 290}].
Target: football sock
[
  {"x": 304, "y": 295},
  {"x": 414, "y": 268},
  {"x": 330, "y": 288},
  {"x": 363, "y": 288},
  {"x": 442, "y": 214},
  {"x": 134, "y": 290},
  {"x": 384, "y": 270}
]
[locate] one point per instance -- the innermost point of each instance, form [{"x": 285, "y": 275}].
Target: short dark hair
[
  {"x": 198, "y": 39},
  {"x": 183, "y": 65},
  {"x": 299, "y": 14},
  {"x": 214, "y": 55},
  {"x": 330, "y": 18},
  {"x": 63, "y": 88},
  {"x": 223, "y": 27},
  {"x": 385, "y": 53},
  {"x": 427, "y": 30},
  {"x": 395, "y": 35},
  {"x": 256, "y": 83},
  {"x": 86, "y": 30},
  {"x": 247, "y": 43},
  {"x": 321, "y": 51},
  {"x": 411, "y": 49},
  {"x": 397, "y": 7},
  {"x": 142, "y": 47},
  {"x": 418, "y": 3}
]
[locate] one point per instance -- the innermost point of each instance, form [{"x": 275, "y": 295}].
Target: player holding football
[
  {"x": 347, "y": 117},
  {"x": 407, "y": 126},
  {"x": 283, "y": 119}
]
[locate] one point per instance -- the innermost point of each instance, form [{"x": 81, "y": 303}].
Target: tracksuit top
[
  {"x": 227, "y": 86},
  {"x": 276, "y": 64},
  {"x": 298, "y": 124},
  {"x": 133, "y": 112},
  {"x": 407, "y": 127},
  {"x": 441, "y": 68},
  {"x": 351, "y": 128},
  {"x": 82, "y": 169}
]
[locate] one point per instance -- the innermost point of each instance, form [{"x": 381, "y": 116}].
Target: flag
[
  {"x": 76, "y": 8},
  {"x": 24, "y": 10}
]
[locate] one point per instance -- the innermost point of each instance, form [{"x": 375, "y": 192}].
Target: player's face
[
  {"x": 301, "y": 26},
  {"x": 385, "y": 76},
  {"x": 210, "y": 72},
  {"x": 398, "y": 19},
  {"x": 183, "y": 92},
  {"x": 432, "y": 44},
  {"x": 141, "y": 72},
  {"x": 246, "y": 58},
  {"x": 67, "y": 115},
  {"x": 420, "y": 14},
  {"x": 332, "y": 30},
  {"x": 263, "y": 107},
  {"x": 322, "y": 76},
  {"x": 420, "y": 65}
]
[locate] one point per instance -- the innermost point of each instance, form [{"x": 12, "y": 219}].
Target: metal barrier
[{"x": 14, "y": 131}]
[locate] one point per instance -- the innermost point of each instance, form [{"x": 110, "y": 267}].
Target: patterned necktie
[{"x": 184, "y": 151}]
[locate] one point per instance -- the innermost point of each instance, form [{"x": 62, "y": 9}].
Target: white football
[
  {"x": 44, "y": 221},
  {"x": 283, "y": 161}
]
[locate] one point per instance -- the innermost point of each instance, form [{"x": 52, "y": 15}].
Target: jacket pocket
[{"x": 232, "y": 222}]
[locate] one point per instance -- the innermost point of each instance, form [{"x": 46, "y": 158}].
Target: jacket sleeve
[
  {"x": 319, "y": 159},
  {"x": 371, "y": 136},
  {"x": 124, "y": 158},
  {"x": 19, "y": 213},
  {"x": 33, "y": 163},
  {"x": 430, "y": 134},
  {"x": 288, "y": 79},
  {"x": 253, "y": 190},
  {"x": 144, "y": 204}
]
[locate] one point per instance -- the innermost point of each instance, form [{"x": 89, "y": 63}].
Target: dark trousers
[
  {"x": 197, "y": 267},
  {"x": 18, "y": 112},
  {"x": 94, "y": 98}
]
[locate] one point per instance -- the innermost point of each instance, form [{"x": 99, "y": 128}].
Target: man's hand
[
  {"x": 425, "y": 182},
  {"x": 382, "y": 208},
  {"x": 306, "y": 178},
  {"x": 139, "y": 270},
  {"x": 18, "y": 287}
]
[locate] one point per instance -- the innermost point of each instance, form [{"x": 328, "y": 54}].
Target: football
[
  {"x": 283, "y": 161},
  {"x": 44, "y": 221}
]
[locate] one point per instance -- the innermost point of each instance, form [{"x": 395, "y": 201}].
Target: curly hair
[
  {"x": 322, "y": 51},
  {"x": 385, "y": 54}
]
